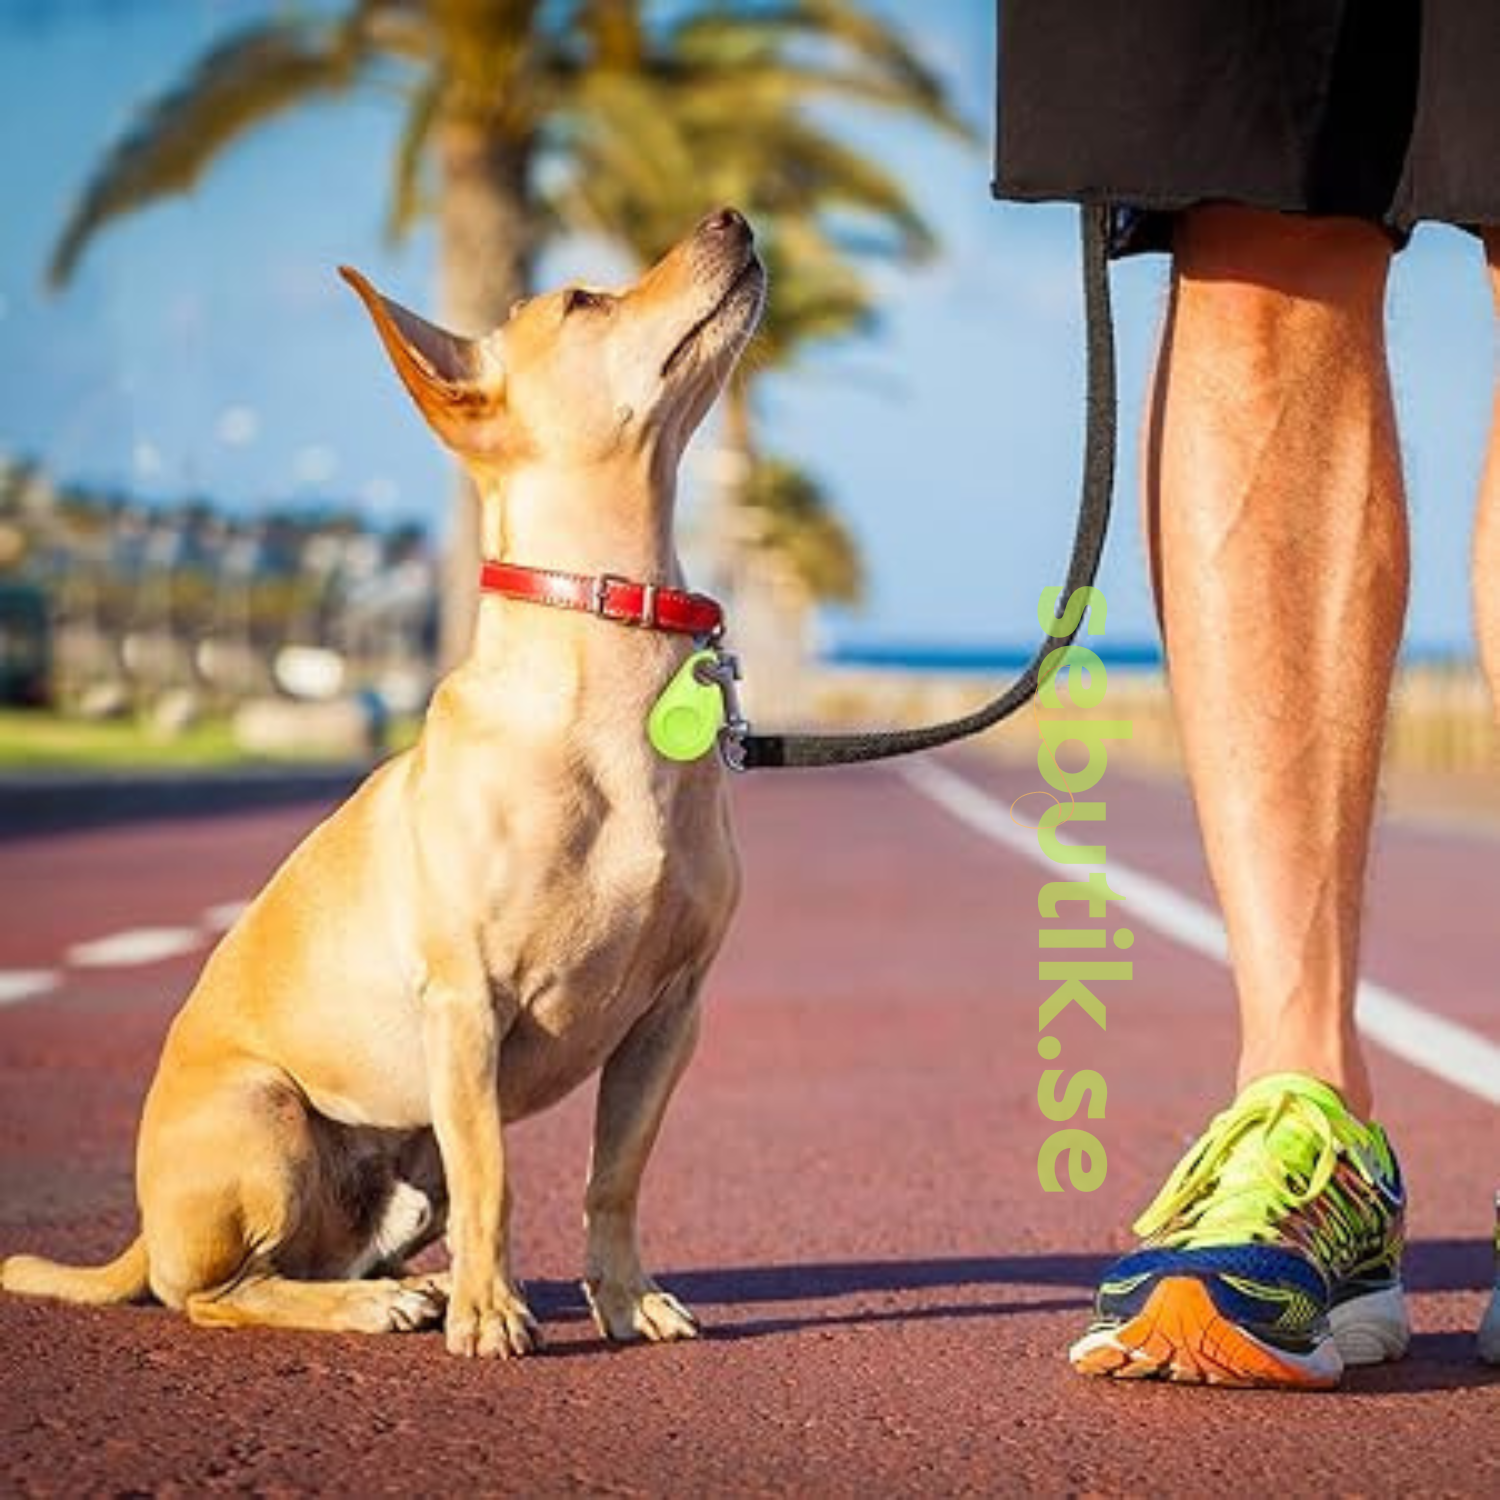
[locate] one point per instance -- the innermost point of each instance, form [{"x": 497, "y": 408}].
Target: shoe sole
[
  {"x": 1181, "y": 1336},
  {"x": 1372, "y": 1329},
  {"x": 1489, "y": 1331}
]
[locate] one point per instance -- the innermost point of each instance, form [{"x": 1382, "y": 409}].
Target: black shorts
[{"x": 1386, "y": 110}]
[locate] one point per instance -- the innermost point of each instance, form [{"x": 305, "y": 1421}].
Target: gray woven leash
[{"x": 752, "y": 752}]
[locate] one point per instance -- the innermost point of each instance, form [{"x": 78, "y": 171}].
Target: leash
[{"x": 746, "y": 751}]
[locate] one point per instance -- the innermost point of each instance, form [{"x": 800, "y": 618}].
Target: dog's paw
[
  {"x": 396, "y": 1306},
  {"x": 432, "y": 1290},
  {"x": 503, "y": 1327},
  {"x": 628, "y": 1314}
]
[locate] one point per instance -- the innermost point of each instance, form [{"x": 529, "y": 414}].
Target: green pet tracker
[{"x": 684, "y": 724}]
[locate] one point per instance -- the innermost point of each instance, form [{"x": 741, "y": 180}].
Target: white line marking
[
  {"x": 222, "y": 918},
  {"x": 1451, "y": 1052},
  {"x": 138, "y": 945},
  {"x": 26, "y": 984}
]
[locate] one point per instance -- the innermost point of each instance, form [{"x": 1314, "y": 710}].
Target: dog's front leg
[
  {"x": 461, "y": 1031},
  {"x": 634, "y": 1090}
]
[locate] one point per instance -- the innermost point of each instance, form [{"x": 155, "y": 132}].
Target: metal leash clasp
[{"x": 723, "y": 672}]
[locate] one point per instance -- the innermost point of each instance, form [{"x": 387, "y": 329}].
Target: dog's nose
[{"x": 726, "y": 221}]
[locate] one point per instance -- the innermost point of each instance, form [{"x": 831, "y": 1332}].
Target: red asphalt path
[{"x": 845, "y": 1191}]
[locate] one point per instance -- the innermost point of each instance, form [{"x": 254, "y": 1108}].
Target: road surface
[{"x": 846, "y": 1189}]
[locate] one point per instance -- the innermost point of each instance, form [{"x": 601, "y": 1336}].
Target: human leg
[
  {"x": 1278, "y": 504},
  {"x": 1279, "y": 548}
]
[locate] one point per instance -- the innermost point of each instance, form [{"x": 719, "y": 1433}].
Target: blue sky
[{"x": 207, "y": 345}]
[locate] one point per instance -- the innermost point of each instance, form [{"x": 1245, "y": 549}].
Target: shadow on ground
[
  {"x": 1436, "y": 1361},
  {"x": 1432, "y": 1266},
  {"x": 1448, "y": 1265}
]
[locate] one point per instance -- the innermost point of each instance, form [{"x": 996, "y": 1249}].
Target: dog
[{"x": 530, "y": 895}]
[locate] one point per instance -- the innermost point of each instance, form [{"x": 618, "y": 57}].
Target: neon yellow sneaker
[{"x": 1272, "y": 1257}]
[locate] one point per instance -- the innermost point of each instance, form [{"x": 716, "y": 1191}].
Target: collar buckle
[{"x": 599, "y": 594}]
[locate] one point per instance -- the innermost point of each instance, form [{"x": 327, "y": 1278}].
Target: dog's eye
[{"x": 575, "y": 297}]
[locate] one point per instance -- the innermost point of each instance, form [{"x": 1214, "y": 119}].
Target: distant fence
[{"x": 1440, "y": 714}]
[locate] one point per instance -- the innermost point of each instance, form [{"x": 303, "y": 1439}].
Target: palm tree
[{"x": 514, "y": 107}]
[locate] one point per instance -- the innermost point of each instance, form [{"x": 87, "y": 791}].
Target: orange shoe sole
[{"x": 1180, "y": 1335}]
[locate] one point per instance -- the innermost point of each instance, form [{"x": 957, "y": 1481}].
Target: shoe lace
[{"x": 1255, "y": 1168}]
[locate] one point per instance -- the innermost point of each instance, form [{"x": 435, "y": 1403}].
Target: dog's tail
[{"x": 125, "y": 1279}]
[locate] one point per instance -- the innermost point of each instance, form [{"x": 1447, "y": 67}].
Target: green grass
[
  {"x": 36, "y": 740},
  {"x": 33, "y": 740}
]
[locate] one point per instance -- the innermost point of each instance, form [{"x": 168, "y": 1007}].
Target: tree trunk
[
  {"x": 487, "y": 246},
  {"x": 739, "y": 422},
  {"x": 731, "y": 521}
]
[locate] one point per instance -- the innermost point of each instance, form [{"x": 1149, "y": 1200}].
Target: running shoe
[
  {"x": 1272, "y": 1257},
  {"x": 1489, "y": 1329}
]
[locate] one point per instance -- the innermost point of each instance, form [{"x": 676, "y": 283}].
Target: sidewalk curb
[{"x": 43, "y": 802}]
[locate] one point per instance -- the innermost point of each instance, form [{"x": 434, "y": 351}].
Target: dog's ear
[{"x": 457, "y": 382}]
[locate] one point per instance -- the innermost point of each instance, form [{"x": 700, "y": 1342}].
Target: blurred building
[{"x": 107, "y": 602}]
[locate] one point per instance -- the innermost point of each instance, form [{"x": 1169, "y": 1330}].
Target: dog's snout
[{"x": 726, "y": 221}]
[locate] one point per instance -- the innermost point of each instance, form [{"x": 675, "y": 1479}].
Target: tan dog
[{"x": 530, "y": 895}]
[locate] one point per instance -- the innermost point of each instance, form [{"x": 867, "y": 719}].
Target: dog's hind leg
[
  {"x": 270, "y": 1301},
  {"x": 634, "y": 1090},
  {"x": 257, "y": 1211}
]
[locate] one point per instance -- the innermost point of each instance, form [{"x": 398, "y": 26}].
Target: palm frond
[
  {"x": 798, "y": 524},
  {"x": 778, "y": 82},
  {"x": 256, "y": 74},
  {"x": 616, "y": 34},
  {"x": 624, "y": 166},
  {"x": 819, "y": 295},
  {"x": 804, "y": 169},
  {"x": 398, "y": 28},
  {"x": 411, "y": 149},
  {"x": 488, "y": 52},
  {"x": 844, "y": 25}
]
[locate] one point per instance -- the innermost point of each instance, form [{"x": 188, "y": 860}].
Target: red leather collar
[{"x": 607, "y": 595}]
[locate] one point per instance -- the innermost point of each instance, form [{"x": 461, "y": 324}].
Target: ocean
[
  {"x": 977, "y": 658},
  {"x": 971, "y": 658}
]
